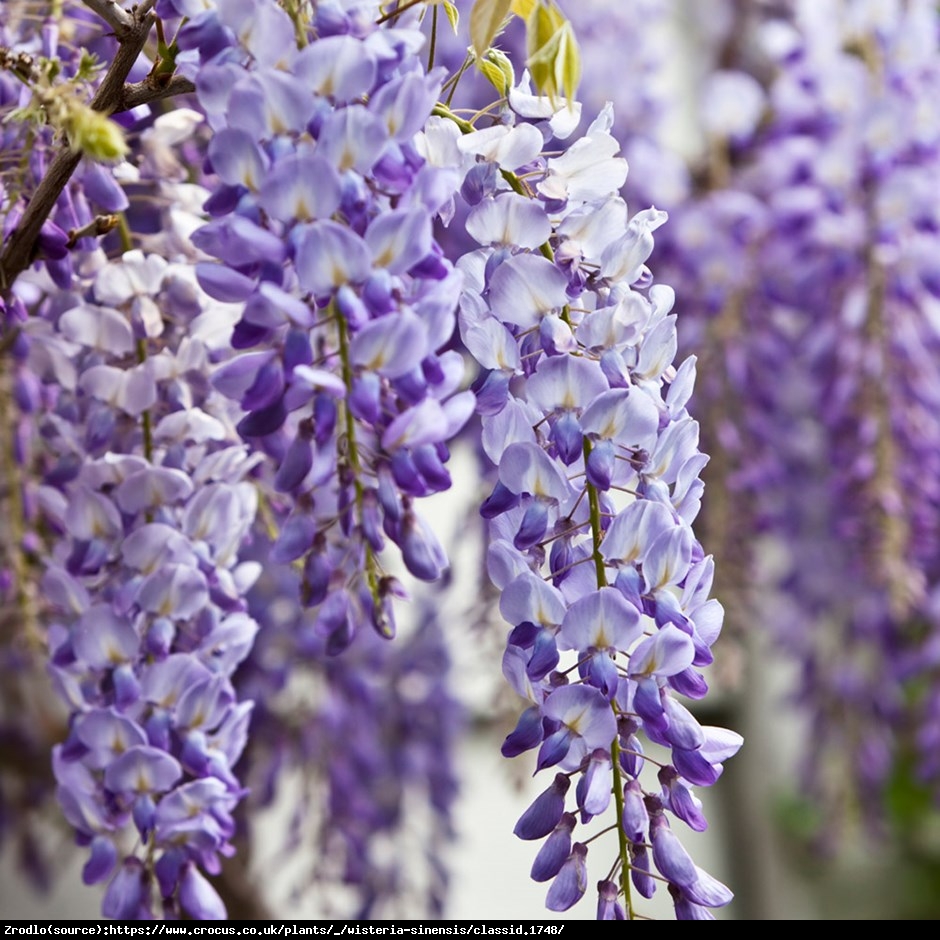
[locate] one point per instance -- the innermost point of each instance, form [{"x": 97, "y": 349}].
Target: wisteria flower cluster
[
  {"x": 804, "y": 236},
  {"x": 591, "y": 544},
  {"x": 236, "y": 364}
]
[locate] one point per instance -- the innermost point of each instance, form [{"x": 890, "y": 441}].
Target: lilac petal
[
  {"x": 152, "y": 487},
  {"x": 604, "y": 620},
  {"x": 601, "y": 464},
  {"x": 301, "y": 187},
  {"x": 143, "y": 814},
  {"x": 492, "y": 345},
  {"x": 100, "y": 186},
  {"x": 352, "y": 139},
  {"x": 544, "y": 656},
  {"x": 682, "y": 802},
  {"x": 238, "y": 241},
  {"x": 98, "y": 327},
  {"x": 126, "y": 893},
  {"x": 525, "y": 288},
  {"x": 585, "y": 711},
  {"x": 237, "y": 158},
  {"x": 424, "y": 423},
  {"x": 102, "y": 639},
  {"x": 644, "y": 883},
  {"x": 658, "y": 349},
  {"x": 132, "y": 390},
  {"x": 608, "y": 907},
  {"x": 566, "y": 436},
  {"x": 634, "y": 529},
  {"x": 421, "y": 551},
  {"x": 323, "y": 379},
  {"x": 174, "y": 591},
  {"x": 272, "y": 307},
  {"x": 329, "y": 255},
  {"x": 220, "y": 282},
  {"x": 238, "y": 375},
  {"x": 511, "y": 220},
  {"x": 554, "y": 851},
  {"x": 636, "y": 819},
  {"x": 571, "y": 882},
  {"x": 720, "y": 744},
  {"x": 565, "y": 383},
  {"x": 529, "y": 598},
  {"x": 628, "y": 417},
  {"x": 431, "y": 468},
  {"x": 457, "y": 411},
  {"x": 338, "y": 67},
  {"x": 690, "y": 683},
  {"x": 623, "y": 259},
  {"x": 684, "y": 731},
  {"x": 533, "y": 526},
  {"x": 270, "y": 102},
  {"x": 686, "y": 910},
  {"x": 554, "y": 749},
  {"x": 555, "y": 335},
  {"x": 708, "y": 891},
  {"x": 545, "y": 812},
  {"x": 295, "y": 466},
  {"x": 526, "y": 468},
  {"x": 694, "y": 767},
  {"x": 594, "y": 786},
  {"x": 203, "y": 706},
  {"x": 405, "y": 103},
  {"x": 101, "y": 862},
  {"x": 671, "y": 858},
  {"x": 648, "y": 703},
  {"x": 142, "y": 769},
  {"x": 108, "y": 733},
  {"x": 509, "y": 147},
  {"x": 667, "y": 653},
  {"x": 526, "y": 735},
  {"x": 399, "y": 239},
  {"x": 601, "y": 672},
  {"x": 90, "y": 515},
  {"x": 668, "y": 558},
  {"x": 198, "y": 898},
  {"x": 392, "y": 345}
]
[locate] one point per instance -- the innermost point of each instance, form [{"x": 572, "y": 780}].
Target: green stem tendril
[
  {"x": 432, "y": 46},
  {"x": 594, "y": 505},
  {"x": 355, "y": 465}
]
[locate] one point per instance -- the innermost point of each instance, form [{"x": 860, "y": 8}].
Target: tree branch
[
  {"x": 113, "y": 14},
  {"x": 148, "y": 90},
  {"x": 18, "y": 251}
]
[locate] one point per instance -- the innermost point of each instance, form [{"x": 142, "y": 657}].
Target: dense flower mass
[
  {"x": 234, "y": 365},
  {"x": 804, "y": 236},
  {"x": 598, "y": 466}
]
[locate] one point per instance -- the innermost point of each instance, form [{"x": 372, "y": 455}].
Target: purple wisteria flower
[
  {"x": 146, "y": 493},
  {"x": 598, "y": 463},
  {"x": 323, "y": 227}
]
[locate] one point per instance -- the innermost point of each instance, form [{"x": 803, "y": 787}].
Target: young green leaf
[
  {"x": 453, "y": 14},
  {"x": 486, "y": 18}
]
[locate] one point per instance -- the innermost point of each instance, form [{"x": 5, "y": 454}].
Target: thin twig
[
  {"x": 138, "y": 93},
  {"x": 98, "y": 226}
]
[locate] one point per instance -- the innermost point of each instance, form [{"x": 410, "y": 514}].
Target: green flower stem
[
  {"x": 594, "y": 505},
  {"x": 355, "y": 464}
]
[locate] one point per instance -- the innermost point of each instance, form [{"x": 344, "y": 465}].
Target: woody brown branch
[{"x": 113, "y": 95}]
